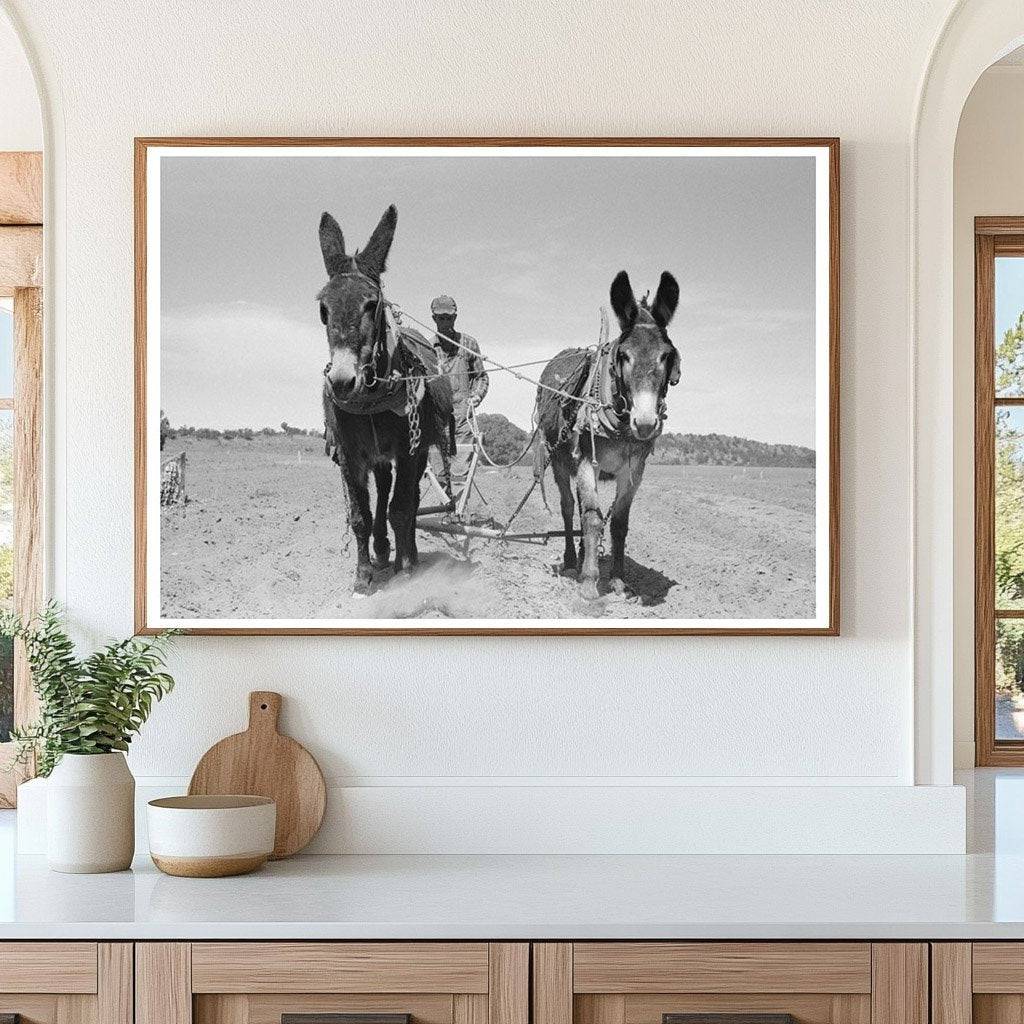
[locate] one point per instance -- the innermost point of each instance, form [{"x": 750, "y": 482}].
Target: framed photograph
[{"x": 487, "y": 386}]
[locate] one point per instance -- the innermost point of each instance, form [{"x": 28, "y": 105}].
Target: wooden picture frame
[{"x": 826, "y": 621}]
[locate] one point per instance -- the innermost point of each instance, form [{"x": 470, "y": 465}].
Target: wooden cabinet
[
  {"x": 648, "y": 982},
  {"x": 260, "y": 982},
  {"x": 66, "y": 982},
  {"x": 979, "y": 982}
]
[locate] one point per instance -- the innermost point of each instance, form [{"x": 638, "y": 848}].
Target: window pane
[
  {"x": 6, "y": 567},
  {"x": 1009, "y": 679},
  {"x": 1009, "y": 521},
  {"x": 1009, "y": 326},
  {"x": 6, "y": 349}
]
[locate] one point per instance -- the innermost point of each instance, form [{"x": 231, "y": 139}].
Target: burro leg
[
  {"x": 360, "y": 520},
  {"x": 627, "y": 481},
  {"x": 592, "y": 525}
]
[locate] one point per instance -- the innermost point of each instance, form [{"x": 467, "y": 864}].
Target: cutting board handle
[{"x": 264, "y": 710}]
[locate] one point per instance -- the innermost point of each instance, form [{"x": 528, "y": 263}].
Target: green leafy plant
[{"x": 90, "y": 705}]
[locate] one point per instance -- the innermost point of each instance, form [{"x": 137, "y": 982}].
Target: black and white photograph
[{"x": 449, "y": 386}]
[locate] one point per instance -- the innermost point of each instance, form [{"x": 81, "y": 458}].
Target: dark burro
[{"x": 381, "y": 413}]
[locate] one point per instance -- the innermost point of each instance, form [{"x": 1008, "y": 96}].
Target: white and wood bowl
[{"x": 211, "y": 836}]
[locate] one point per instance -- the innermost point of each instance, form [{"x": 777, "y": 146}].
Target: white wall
[
  {"x": 443, "y": 713},
  {"x": 988, "y": 181}
]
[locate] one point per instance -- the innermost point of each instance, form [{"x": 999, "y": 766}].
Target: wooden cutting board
[{"x": 262, "y": 762}]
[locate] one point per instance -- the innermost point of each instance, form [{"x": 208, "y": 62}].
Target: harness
[{"x": 393, "y": 379}]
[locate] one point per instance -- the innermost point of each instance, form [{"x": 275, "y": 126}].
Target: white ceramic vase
[{"x": 90, "y": 814}]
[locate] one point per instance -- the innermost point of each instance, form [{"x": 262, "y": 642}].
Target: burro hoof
[
  {"x": 618, "y": 586},
  {"x": 381, "y": 558},
  {"x": 570, "y": 571},
  {"x": 590, "y": 590}
]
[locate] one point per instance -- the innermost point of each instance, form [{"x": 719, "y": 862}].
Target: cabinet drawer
[
  {"x": 340, "y": 967},
  {"x": 630, "y": 967},
  {"x": 261, "y": 982},
  {"x": 48, "y": 967},
  {"x": 736, "y": 982},
  {"x": 981, "y": 982},
  {"x": 66, "y": 982}
]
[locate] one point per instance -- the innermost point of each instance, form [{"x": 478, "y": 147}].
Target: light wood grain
[
  {"x": 226, "y": 1009},
  {"x": 163, "y": 983},
  {"x": 851, "y": 1009},
  {"x": 468, "y": 1008},
  {"x": 899, "y": 990},
  {"x": 262, "y": 762},
  {"x": 115, "y": 995},
  {"x": 951, "y": 983},
  {"x": 998, "y": 967},
  {"x": 27, "y": 499},
  {"x": 267, "y": 1008},
  {"x": 984, "y": 503},
  {"x": 76, "y": 1010},
  {"x": 552, "y": 983},
  {"x": 722, "y": 967},
  {"x": 21, "y": 258},
  {"x": 997, "y": 1009},
  {"x": 599, "y": 1009},
  {"x": 48, "y": 967},
  {"x": 509, "y": 983},
  {"x": 34, "y": 1009},
  {"x": 806, "y": 1008},
  {"x": 28, "y": 482},
  {"x": 340, "y": 967},
  {"x": 21, "y": 188},
  {"x": 832, "y": 145}
]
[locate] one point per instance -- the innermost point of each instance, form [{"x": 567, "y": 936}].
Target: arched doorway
[{"x": 975, "y": 35}]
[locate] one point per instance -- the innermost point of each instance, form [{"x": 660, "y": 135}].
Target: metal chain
[{"x": 412, "y": 410}]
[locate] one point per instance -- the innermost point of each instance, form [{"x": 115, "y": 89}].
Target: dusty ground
[{"x": 263, "y": 535}]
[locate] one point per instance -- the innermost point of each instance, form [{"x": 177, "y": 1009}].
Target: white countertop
[
  {"x": 531, "y": 897},
  {"x": 978, "y": 896}
]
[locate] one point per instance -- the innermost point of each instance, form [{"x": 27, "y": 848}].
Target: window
[
  {"x": 21, "y": 366},
  {"x": 999, "y": 490}
]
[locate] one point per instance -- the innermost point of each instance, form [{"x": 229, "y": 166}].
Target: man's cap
[{"x": 443, "y": 304}]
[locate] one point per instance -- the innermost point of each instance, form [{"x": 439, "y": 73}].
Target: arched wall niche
[{"x": 976, "y": 34}]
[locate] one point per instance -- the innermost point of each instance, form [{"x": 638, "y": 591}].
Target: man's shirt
[{"x": 465, "y": 370}]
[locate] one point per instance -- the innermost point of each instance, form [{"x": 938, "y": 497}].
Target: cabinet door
[
  {"x": 736, "y": 982},
  {"x": 981, "y": 982},
  {"x": 315, "y": 982},
  {"x": 66, "y": 982}
]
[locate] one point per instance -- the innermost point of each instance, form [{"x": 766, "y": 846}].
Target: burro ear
[
  {"x": 373, "y": 257},
  {"x": 332, "y": 244},
  {"x": 665, "y": 301},
  {"x": 623, "y": 300}
]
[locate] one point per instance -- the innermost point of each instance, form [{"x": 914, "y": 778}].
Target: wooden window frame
[{"x": 21, "y": 269}]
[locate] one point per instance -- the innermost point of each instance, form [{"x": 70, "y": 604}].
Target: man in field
[{"x": 458, "y": 356}]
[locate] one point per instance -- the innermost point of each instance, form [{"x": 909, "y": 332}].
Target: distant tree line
[
  {"x": 238, "y": 433},
  {"x": 725, "y": 450},
  {"x": 504, "y": 441}
]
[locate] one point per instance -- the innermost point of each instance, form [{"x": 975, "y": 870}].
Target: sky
[
  {"x": 528, "y": 246},
  {"x": 1009, "y": 280}
]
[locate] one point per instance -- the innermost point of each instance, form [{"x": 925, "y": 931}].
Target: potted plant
[{"x": 89, "y": 709}]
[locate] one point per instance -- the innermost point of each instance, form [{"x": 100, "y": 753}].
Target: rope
[
  {"x": 479, "y": 438},
  {"x": 582, "y": 399},
  {"x": 453, "y": 373}
]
